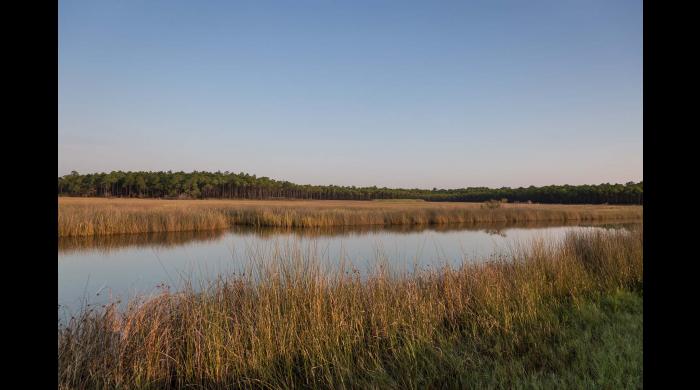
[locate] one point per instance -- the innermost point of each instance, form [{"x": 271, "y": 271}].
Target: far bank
[{"x": 99, "y": 216}]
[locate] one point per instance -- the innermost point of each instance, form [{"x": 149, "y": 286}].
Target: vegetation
[
  {"x": 199, "y": 185},
  {"x": 565, "y": 314},
  {"x": 492, "y": 204},
  {"x": 98, "y": 216}
]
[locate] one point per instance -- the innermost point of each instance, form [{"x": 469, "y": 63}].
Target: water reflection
[
  {"x": 98, "y": 269},
  {"x": 110, "y": 243}
]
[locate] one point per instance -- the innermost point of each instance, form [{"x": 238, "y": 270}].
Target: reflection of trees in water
[
  {"x": 111, "y": 242},
  {"x": 495, "y": 232},
  {"x": 172, "y": 239},
  {"x": 490, "y": 228}
]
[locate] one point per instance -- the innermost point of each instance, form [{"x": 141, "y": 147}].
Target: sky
[{"x": 413, "y": 94}]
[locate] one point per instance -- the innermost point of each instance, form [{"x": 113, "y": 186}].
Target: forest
[{"x": 227, "y": 185}]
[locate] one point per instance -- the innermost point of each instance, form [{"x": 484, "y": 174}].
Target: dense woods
[{"x": 202, "y": 185}]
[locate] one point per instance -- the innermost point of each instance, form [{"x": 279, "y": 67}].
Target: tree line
[{"x": 227, "y": 185}]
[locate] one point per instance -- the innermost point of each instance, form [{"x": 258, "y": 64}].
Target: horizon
[
  {"x": 340, "y": 185},
  {"x": 409, "y": 95}
]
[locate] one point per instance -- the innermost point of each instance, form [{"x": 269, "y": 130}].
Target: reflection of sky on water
[{"x": 126, "y": 266}]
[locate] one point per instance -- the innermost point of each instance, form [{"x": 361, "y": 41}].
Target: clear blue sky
[{"x": 388, "y": 93}]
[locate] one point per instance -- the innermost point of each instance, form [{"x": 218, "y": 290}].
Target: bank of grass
[
  {"x": 99, "y": 216},
  {"x": 565, "y": 314}
]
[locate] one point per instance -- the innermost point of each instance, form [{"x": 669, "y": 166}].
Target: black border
[
  {"x": 31, "y": 157},
  {"x": 664, "y": 265}
]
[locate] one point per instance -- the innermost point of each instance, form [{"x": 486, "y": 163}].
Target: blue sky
[{"x": 388, "y": 93}]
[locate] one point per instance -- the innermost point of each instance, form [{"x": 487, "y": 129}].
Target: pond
[{"x": 98, "y": 269}]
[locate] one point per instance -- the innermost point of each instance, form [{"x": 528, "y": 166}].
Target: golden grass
[
  {"x": 97, "y": 216},
  {"x": 289, "y": 322}
]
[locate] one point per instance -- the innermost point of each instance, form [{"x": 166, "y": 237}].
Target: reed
[
  {"x": 99, "y": 216},
  {"x": 290, "y": 321}
]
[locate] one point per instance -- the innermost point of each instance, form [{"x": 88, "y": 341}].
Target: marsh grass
[
  {"x": 541, "y": 316},
  {"x": 99, "y": 216}
]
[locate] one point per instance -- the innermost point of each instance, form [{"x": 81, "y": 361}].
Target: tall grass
[
  {"x": 289, "y": 321},
  {"x": 86, "y": 217}
]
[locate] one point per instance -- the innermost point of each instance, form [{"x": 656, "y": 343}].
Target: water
[{"x": 99, "y": 269}]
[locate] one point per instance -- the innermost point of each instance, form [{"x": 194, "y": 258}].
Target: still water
[{"x": 96, "y": 270}]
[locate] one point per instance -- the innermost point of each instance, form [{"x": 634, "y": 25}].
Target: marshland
[
  {"x": 99, "y": 216},
  {"x": 349, "y": 195},
  {"x": 396, "y": 293},
  {"x": 550, "y": 313}
]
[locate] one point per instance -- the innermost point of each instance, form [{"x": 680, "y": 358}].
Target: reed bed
[
  {"x": 98, "y": 216},
  {"x": 289, "y": 321}
]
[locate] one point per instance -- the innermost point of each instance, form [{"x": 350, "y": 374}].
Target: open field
[
  {"x": 97, "y": 216},
  {"x": 566, "y": 314}
]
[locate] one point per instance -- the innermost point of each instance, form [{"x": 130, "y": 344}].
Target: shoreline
[
  {"x": 100, "y": 216},
  {"x": 107, "y": 242},
  {"x": 552, "y": 312}
]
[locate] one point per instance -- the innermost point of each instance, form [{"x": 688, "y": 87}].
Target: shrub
[{"x": 491, "y": 204}]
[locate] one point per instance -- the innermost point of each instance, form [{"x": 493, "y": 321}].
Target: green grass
[
  {"x": 596, "y": 343},
  {"x": 552, "y": 315}
]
